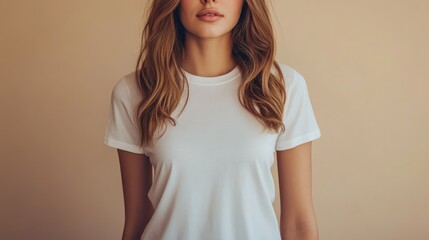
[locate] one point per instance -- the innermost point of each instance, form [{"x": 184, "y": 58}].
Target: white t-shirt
[{"x": 212, "y": 171}]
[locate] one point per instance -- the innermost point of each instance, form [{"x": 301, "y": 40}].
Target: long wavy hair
[{"x": 161, "y": 80}]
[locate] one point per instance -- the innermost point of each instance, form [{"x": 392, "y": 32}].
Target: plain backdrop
[{"x": 365, "y": 63}]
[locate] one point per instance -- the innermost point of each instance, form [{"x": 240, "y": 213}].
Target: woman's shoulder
[
  {"x": 286, "y": 69},
  {"x": 127, "y": 87},
  {"x": 129, "y": 80},
  {"x": 290, "y": 74}
]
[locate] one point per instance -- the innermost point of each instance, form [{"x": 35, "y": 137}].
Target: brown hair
[{"x": 161, "y": 80}]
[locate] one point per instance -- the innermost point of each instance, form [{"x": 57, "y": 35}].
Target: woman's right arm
[{"x": 136, "y": 174}]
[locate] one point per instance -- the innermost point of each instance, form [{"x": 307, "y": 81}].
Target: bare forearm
[
  {"x": 136, "y": 223},
  {"x": 299, "y": 231},
  {"x": 129, "y": 235}
]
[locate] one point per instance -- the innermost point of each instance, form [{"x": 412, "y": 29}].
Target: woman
[{"x": 207, "y": 107}]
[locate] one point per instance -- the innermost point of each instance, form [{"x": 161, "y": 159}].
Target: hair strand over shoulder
[{"x": 162, "y": 82}]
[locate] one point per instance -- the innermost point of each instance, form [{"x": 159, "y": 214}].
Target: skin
[
  {"x": 297, "y": 217},
  {"x": 208, "y": 47},
  {"x": 136, "y": 173}
]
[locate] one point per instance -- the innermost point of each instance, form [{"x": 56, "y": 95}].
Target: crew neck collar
[{"x": 213, "y": 81}]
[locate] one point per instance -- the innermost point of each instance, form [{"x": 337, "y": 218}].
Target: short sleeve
[
  {"x": 299, "y": 119},
  {"x": 121, "y": 130}
]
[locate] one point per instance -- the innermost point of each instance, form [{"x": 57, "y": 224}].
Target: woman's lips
[{"x": 209, "y": 15}]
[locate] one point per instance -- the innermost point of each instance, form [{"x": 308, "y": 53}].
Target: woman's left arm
[{"x": 297, "y": 219}]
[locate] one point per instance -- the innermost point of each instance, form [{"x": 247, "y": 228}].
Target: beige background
[{"x": 365, "y": 62}]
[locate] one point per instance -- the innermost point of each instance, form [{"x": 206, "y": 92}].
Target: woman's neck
[{"x": 208, "y": 57}]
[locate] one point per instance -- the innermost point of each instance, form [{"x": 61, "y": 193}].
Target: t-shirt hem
[
  {"x": 298, "y": 141},
  {"x": 123, "y": 145}
]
